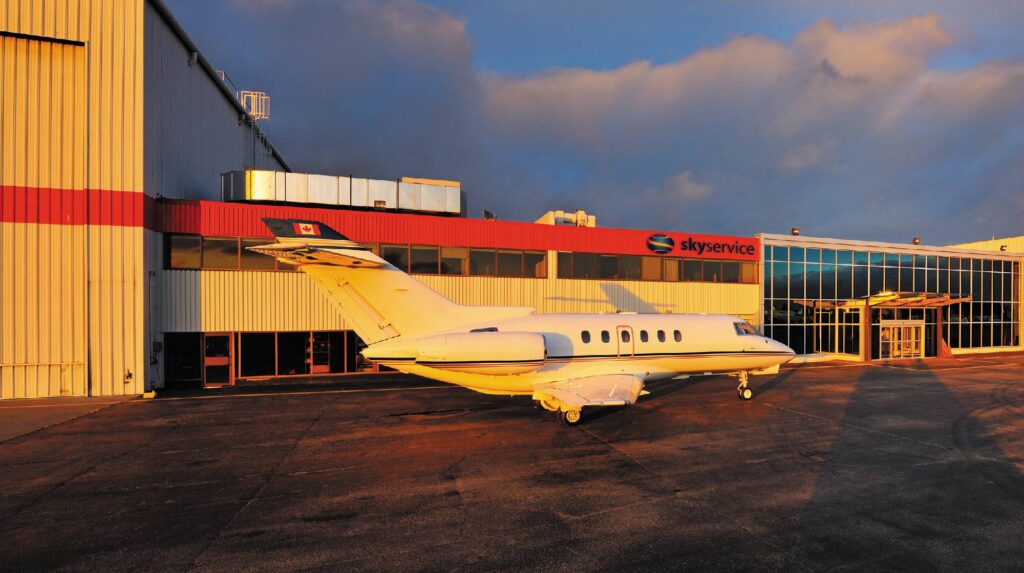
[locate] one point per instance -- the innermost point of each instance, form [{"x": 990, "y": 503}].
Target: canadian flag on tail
[{"x": 310, "y": 229}]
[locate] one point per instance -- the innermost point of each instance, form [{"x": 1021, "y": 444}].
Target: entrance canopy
[{"x": 887, "y": 299}]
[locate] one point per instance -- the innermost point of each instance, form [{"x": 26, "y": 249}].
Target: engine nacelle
[{"x": 483, "y": 352}]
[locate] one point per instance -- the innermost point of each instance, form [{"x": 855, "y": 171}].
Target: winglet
[{"x": 302, "y": 229}]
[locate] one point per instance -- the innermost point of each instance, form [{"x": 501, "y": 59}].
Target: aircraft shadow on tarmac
[{"x": 895, "y": 491}]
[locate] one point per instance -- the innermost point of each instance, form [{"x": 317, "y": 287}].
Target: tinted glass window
[
  {"x": 397, "y": 255},
  {"x": 748, "y": 273},
  {"x": 424, "y": 260},
  {"x": 692, "y": 270},
  {"x": 482, "y": 263},
  {"x": 650, "y": 269},
  {"x": 605, "y": 337},
  {"x": 535, "y": 264},
  {"x": 585, "y": 336},
  {"x": 251, "y": 260},
  {"x": 677, "y": 335},
  {"x": 671, "y": 269},
  {"x": 185, "y": 251},
  {"x": 584, "y": 265},
  {"x": 609, "y": 268},
  {"x": 510, "y": 263},
  {"x": 220, "y": 253},
  {"x": 712, "y": 271},
  {"x": 565, "y": 265},
  {"x": 730, "y": 272},
  {"x": 629, "y": 267},
  {"x": 454, "y": 260}
]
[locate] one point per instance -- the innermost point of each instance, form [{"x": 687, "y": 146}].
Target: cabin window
[
  {"x": 744, "y": 328},
  {"x": 677, "y": 335},
  {"x": 643, "y": 336},
  {"x": 625, "y": 336},
  {"x": 605, "y": 337},
  {"x": 661, "y": 336},
  {"x": 585, "y": 336}
]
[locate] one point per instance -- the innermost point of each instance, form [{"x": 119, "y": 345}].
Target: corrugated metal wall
[
  {"x": 72, "y": 176},
  {"x": 193, "y": 132},
  {"x": 211, "y": 301}
]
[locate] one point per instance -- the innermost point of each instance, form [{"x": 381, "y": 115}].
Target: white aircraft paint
[{"x": 565, "y": 361}]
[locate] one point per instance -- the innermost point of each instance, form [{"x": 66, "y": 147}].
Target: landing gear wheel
[
  {"x": 537, "y": 405},
  {"x": 746, "y": 393},
  {"x": 570, "y": 417}
]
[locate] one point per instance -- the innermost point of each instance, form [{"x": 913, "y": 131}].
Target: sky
[{"x": 873, "y": 120}]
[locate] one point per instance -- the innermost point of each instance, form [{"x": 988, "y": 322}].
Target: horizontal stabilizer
[{"x": 304, "y": 254}]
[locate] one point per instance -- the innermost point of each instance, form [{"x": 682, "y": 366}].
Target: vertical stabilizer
[{"x": 379, "y": 300}]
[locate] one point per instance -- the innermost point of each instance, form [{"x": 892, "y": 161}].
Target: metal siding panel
[
  {"x": 322, "y": 189},
  {"x": 409, "y": 195},
  {"x": 296, "y": 187},
  {"x": 360, "y": 191},
  {"x": 386, "y": 191},
  {"x": 344, "y": 190}
]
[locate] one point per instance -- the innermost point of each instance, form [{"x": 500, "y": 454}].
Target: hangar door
[{"x": 42, "y": 216}]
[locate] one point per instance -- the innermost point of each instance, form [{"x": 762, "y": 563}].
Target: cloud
[
  {"x": 682, "y": 187},
  {"x": 844, "y": 130}
]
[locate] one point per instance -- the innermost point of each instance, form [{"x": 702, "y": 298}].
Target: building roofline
[
  {"x": 897, "y": 247},
  {"x": 171, "y": 21}
]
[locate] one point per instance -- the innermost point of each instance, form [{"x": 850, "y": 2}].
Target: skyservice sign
[{"x": 702, "y": 247}]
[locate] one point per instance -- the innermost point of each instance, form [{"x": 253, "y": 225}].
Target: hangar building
[{"x": 133, "y": 179}]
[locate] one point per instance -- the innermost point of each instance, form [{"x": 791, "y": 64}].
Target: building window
[
  {"x": 424, "y": 260},
  {"x": 482, "y": 263},
  {"x": 184, "y": 251},
  {"x": 397, "y": 255},
  {"x": 510, "y": 263},
  {"x": 253, "y": 261},
  {"x": 535, "y": 264},
  {"x": 692, "y": 270},
  {"x": 454, "y": 261},
  {"x": 650, "y": 269},
  {"x": 220, "y": 253}
]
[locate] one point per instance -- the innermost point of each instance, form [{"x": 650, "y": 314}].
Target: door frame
[
  {"x": 619, "y": 344},
  {"x": 228, "y": 360}
]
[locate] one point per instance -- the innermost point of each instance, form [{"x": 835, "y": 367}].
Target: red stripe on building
[
  {"x": 50, "y": 206},
  {"x": 212, "y": 218}
]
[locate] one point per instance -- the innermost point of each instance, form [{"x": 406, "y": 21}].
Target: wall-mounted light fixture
[
  {"x": 795, "y": 231},
  {"x": 916, "y": 241}
]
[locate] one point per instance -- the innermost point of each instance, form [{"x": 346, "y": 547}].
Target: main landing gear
[
  {"x": 743, "y": 390},
  {"x": 570, "y": 417}
]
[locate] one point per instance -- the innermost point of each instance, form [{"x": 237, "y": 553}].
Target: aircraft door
[{"x": 624, "y": 335}]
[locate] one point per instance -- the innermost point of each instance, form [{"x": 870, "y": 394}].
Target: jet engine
[{"x": 483, "y": 352}]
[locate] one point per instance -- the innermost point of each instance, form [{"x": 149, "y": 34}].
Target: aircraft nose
[{"x": 777, "y": 346}]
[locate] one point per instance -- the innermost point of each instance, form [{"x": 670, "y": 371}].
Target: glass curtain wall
[{"x": 797, "y": 278}]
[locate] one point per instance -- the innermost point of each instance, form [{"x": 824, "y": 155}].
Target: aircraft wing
[{"x": 604, "y": 390}]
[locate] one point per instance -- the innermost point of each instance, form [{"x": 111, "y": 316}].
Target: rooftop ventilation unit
[{"x": 257, "y": 104}]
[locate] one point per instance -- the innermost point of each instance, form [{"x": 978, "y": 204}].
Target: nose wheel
[{"x": 743, "y": 390}]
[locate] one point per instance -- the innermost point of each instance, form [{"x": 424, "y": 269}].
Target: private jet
[{"x": 566, "y": 362}]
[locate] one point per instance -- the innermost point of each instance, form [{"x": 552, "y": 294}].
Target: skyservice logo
[
  {"x": 660, "y": 244},
  {"x": 663, "y": 244}
]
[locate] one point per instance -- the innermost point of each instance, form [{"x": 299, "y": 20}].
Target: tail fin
[{"x": 379, "y": 300}]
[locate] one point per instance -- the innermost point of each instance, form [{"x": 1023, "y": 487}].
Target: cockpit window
[{"x": 744, "y": 328}]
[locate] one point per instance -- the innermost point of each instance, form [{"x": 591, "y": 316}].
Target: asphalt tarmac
[{"x": 899, "y": 466}]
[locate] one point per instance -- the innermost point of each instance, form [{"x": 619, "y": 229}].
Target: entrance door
[
  {"x": 625, "y": 338},
  {"x": 218, "y": 358},
  {"x": 902, "y": 339}
]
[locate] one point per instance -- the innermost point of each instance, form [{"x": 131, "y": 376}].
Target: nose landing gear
[
  {"x": 570, "y": 417},
  {"x": 743, "y": 390}
]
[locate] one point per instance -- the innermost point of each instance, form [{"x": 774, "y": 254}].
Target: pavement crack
[{"x": 256, "y": 495}]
